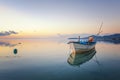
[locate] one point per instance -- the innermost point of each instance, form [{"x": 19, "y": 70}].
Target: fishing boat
[
  {"x": 78, "y": 58},
  {"x": 87, "y": 45},
  {"x": 82, "y": 46}
]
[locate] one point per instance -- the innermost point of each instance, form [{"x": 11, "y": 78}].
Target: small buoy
[
  {"x": 15, "y": 51},
  {"x": 19, "y": 43}
]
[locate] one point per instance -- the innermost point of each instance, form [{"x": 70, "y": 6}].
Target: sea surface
[{"x": 48, "y": 59}]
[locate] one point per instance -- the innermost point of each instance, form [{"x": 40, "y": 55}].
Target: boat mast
[
  {"x": 78, "y": 38},
  {"x": 100, "y": 29}
]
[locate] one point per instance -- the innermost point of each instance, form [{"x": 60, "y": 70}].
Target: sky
[{"x": 38, "y": 18}]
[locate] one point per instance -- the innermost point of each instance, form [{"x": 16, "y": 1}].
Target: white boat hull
[{"x": 76, "y": 47}]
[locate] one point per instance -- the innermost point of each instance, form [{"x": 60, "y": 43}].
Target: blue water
[{"x": 43, "y": 59}]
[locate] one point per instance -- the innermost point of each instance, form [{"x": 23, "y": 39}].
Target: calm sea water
[{"x": 47, "y": 59}]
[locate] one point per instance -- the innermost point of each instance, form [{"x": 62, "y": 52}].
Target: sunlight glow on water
[{"x": 47, "y": 60}]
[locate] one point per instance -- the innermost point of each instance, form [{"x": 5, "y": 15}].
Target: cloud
[{"x": 7, "y": 33}]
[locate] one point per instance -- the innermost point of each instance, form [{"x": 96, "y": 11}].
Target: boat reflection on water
[{"x": 78, "y": 58}]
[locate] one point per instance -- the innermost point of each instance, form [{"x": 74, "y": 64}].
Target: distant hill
[
  {"x": 112, "y": 38},
  {"x": 109, "y": 37}
]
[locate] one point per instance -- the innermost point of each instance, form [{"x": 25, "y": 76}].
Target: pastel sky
[{"x": 50, "y": 17}]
